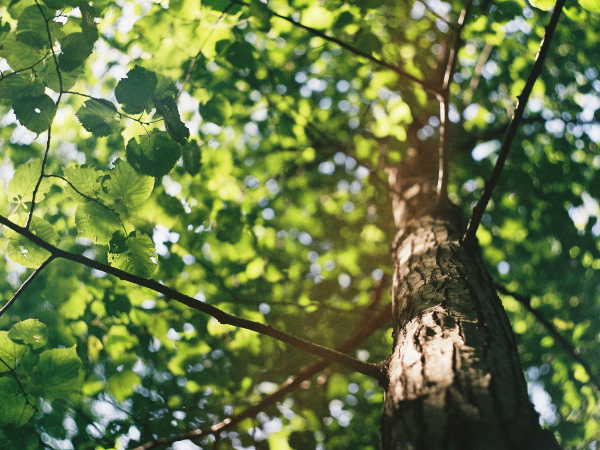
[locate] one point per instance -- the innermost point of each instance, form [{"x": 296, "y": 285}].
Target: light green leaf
[
  {"x": 14, "y": 409},
  {"x": 122, "y": 384},
  {"x": 35, "y": 113},
  {"x": 56, "y": 371},
  {"x": 96, "y": 222},
  {"x": 167, "y": 108},
  {"x": 118, "y": 340},
  {"x": 86, "y": 180},
  {"x": 153, "y": 155},
  {"x": 135, "y": 91},
  {"x": 590, "y": 5},
  {"x": 127, "y": 186},
  {"x": 19, "y": 85},
  {"x": 31, "y": 27},
  {"x": 99, "y": 117},
  {"x": 29, "y": 332},
  {"x": 24, "y": 252},
  {"x": 137, "y": 258},
  {"x": 544, "y": 5},
  {"x": 50, "y": 76},
  {"x": 10, "y": 352},
  {"x": 22, "y": 184},
  {"x": 217, "y": 110}
]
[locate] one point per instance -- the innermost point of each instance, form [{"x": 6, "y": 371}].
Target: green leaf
[
  {"x": 24, "y": 181},
  {"x": 25, "y": 252},
  {"x": 56, "y": 371},
  {"x": 368, "y": 43},
  {"x": 50, "y": 76},
  {"x": 19, "y": 85},
  {"x": 96, "y": 222},
  {"x": 230, "y": 225},
  {"x": 167, "y": 108},
  {"x": 590, "y": 5},
  {"x": 14, "y": 409},
  {"x": 217, "y": 110},
  {"x": 99, "y": 117},
  {"x": 544, "y": 5},
  {"x": 153, "y": 155},
  {"x": 137, "y": 258},
  {"x": 18, "y": 54},
  {"x": 86, "y": 180},
  {"x": 10, "y": 352},
  {"x": 127, "y": 186},
  {"x": 31, "y": 27},
  {"x": 345, "y": 18},
  {"x": 35, "y": 113},
  {"x": 122, "y": 384},
  {"x": 192, "y": 156},
  {"x": 222, "y": 6},
  {"x": 4, "y": 30},
  {"x": 134, "y": 92},
  {"x": 75, "y": 49},
  {"x": 29, "y": 332},
  {"x": 240, "y": 55}
]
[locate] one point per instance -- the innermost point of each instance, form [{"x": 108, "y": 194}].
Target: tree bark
[{"x": 455, "y": 380}]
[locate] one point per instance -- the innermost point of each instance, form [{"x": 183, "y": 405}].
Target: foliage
[{"x": 235, "y": 156}]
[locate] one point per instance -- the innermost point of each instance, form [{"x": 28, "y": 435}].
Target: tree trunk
[{"x": 455, "y": 380}]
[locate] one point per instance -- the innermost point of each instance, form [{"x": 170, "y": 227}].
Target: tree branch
[
  {"x": 526, "y": 302},
  {"x": 39, "y": 181},
  {"x": 369, "y": 369},
  {"x": 25, "y": 284},
  {"x": 351, "y": 49},
  {"x": 444, "y": 98},
  {"x": 512, "y": 127},
  {"x": 365, "y": 330}
]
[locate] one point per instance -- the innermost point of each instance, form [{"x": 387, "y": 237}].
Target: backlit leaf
[
  {"x": 85, "y": 183},
  {"x": 127, "y": 186},
  {"x": 134, "y": 91},
  {"x": 29, "y": 332},
  {"x": 22, "y": 251},
  {"x": 153, "y": 155},
  {"x": 96, "y": 222},
  {"x": 35, "y": 113},
  {"x": 23, "y": 183},
  {"x": 99, "y": 117},
  {"x": 137, "y": 258}
]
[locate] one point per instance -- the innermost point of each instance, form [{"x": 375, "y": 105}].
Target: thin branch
[
  {"x": 17, "y": 72},
  {"x": 483, "y": 57},
  {"x": 12, "y": 372},
  {"x": 369, "y": 369},
  {"x": 60, "y": 83},
  {"x": 439, "y": 16},
  {"x": 526, "y": 302},
  {"x": 364, "y": 331},
  {"x": 512, "y": 127},
  {"x": 351, "y": 49},
  {"x": 110, "y": 105},
  {"x": 39, "y": 181},
  {"x": 26, "y": 283},
  {"x": 195, "y": 58},
  {"x": 444, "y": 98}
]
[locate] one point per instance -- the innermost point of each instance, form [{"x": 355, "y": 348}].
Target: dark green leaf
[
  {"x": 31, "y": 27},
  {"x": 10, "y": 352},
  {"x": 14, "y": 408},
  {"x": 153, "y": 155},
  {"x": 230, "y": 225},
  {"x": 240, "y": 55},
  {"x": 222, "y": 6},
  {"x": 75, "y": 49},
  {"x": 35, "y": 113},
  {"x": 167, "y": 108},
  {"x": 134, "y": 92},
  {"x": 18, "y": 54},
  {"x": 368, "y": 43},
  {"x": 99, "y": 117},
  {"x": 192, "y": 157},
  {"x": 217, "y": 110}
]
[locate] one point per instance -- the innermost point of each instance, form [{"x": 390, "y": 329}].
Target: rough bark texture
[{"x": 455, "y": 380}]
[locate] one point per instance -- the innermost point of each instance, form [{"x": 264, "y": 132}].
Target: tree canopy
[{"x": 197, "y": 208}]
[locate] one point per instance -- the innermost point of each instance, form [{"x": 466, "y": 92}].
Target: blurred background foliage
[{"x": 279, "y": 211}]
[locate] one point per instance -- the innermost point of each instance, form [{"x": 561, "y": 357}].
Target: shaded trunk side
[{"x": 455, "y": 379}]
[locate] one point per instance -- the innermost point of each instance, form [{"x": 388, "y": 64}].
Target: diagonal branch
[
  {"x": 25, "y": 284},
  {"x": 526, "y": 302},
  {"x": 364, "y": 331},
  {"x": 536, "y": 70},
  {"x": 351, "y": 49},
  {"x": 369, "y": 369}
]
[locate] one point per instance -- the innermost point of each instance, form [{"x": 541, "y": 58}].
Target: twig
[
  {"x": 60, "y": 83},
  {"x": 526, "y": 302},
  {"x": 26, "y": 283},
  {"x": 17, "y": 72},
  {"x": 110, "y": 105},
  {"x": 352, "y": 49},
  {"x": 39, "y": 181},
  {"x": 12, "y": 372},
  {"x": 364, "y": 331},
  {"x": 368, "y": 369},
  {"x": 444, "y": 98},
  {"x": 512, "y": 127}
]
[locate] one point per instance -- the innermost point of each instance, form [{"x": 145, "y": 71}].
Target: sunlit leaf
[
  {"x": 126, "y": 185},
  {"x": 85, "y": 183},
  {"x": 137, "y": 258},
  {"x": 29, "y": 332},
  {"x": 10, "y": 352},
  {"x": 23, "y": 183},
  {"x": 96, "y": 222},
  {"x": 23, "y": 251},
  {"x": 99, "y": 117}
]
